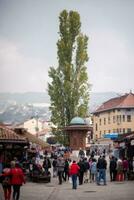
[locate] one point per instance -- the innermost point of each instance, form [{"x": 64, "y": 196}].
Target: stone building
[{"x": 114, "y": 116}]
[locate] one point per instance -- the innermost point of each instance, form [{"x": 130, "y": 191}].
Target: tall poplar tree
[{"x": 69, "y": 88}]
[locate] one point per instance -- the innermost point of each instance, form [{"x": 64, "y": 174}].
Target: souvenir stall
[{"x": 11, "y": 145}]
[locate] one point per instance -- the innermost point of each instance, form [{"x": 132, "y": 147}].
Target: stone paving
[
  {"x": 88, "y": 191},
  {"x": 53, "y": 191}
]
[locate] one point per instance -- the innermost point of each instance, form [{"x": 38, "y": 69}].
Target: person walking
[
  {"x": 54, "y": 164},
  {"x": 86, "y": 172},
  {"x": 120, "y": 170},
  {"x": 6, "y": 182},
  {"x": 93, "y": 168},
  {"x": 66, "y": 171},
  {"x": 101, "y": 167},
  {"x": 81, "y": 171},
  {"x": 17, "y": 179},
  {"x": 60, "y": 168},
  {"x": 46, "y": 164},
  {"x": 112, "y": 168},
  {"x": 74, "y": 170},
  {"x": 125, "y": 168}
]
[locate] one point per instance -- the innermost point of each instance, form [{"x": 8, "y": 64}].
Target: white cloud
[
  {"x": 20, "y": 73},
  {"x": 111, "y": 62}
]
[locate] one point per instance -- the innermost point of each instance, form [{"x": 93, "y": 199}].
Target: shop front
[{"x": 11, "y": 145}]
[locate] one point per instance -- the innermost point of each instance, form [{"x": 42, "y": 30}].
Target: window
[
  {"x": 128, "y": 109},
  {"x": 120, "y": 118},
  {"x": 117, "y": 119},
  {"x": 129, "y": 130},
  {"x": 96, "y": 127},
  {"x": 113, "y": 130},
  {"x": 128, "y": 118},
  {"x": 113, "y": 119},
  {"x": 108, "y": 120},
  {"x": 100, "y": 122},
  {"x": 104, "y": 121},
  {"x": 109, "y": 131},
  {"x": 104, "y": 132},
  {"x": 123, "y": 130},
  {"x": 123, "y": 118},
  {"x": 100, "y": 134}
]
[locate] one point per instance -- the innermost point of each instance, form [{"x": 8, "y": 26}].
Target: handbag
[{"x": 6, "y": 181}]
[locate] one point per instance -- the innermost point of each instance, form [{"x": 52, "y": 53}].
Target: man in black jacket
[
  {"x": 101, "y": 167},
  {"x": 112, "y": 168},
  {"x": 81, "y": 171},
  {"x": 46, "y": 164}
]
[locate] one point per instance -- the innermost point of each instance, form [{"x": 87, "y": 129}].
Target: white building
[
  {"x": 33, "y": 126},
  {"x": 40, "y": 128}
]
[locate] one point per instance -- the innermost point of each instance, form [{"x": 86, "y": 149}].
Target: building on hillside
[
  {"x": 33, "y": 125},
  {"x": 37, "y": 126},
  {"x": 45, "y": 133},
  {"x": 114, "y": 116}
]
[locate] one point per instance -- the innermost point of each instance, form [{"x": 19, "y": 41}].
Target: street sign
[{"x": 111, "y": 135}]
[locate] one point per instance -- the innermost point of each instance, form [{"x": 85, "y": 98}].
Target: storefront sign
[{"x": 111, "y": 135}]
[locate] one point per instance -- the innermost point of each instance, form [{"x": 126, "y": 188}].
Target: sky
[{"x": 29, "y": 32}]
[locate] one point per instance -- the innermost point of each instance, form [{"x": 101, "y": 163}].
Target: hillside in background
[{"x": 18, "y": 107}]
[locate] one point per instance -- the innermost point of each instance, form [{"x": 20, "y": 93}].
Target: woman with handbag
[{"x": 6, "y": 182}]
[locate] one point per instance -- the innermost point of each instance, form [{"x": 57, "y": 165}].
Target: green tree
[{"x": 69, "y": 88}]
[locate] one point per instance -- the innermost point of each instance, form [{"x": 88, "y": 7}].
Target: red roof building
[
  {"x": 114, "y": 116},
  {"x": 9, "y": 136},
  {"x": 125, "y": 101}
]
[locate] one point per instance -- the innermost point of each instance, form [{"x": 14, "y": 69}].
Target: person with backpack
[
  {"x": 93, "y": 169},
  {"x": 60, "y": 168},
  {"x": 66, "y": 170},
  {"x": 81, "y": 171},
  {"x": 86, "y": 172},
  {"x": 101, "y": 167}
]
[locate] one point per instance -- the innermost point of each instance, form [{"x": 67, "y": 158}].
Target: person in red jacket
[
  {"x": 74, "y": 170},
  {"x": 17, "y": 179}
]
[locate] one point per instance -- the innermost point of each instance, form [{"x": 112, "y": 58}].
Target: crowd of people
[{"x": 80, "y": 170}]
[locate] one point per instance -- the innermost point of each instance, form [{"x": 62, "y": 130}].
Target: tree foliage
[{"x": 69, "y": 88}]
